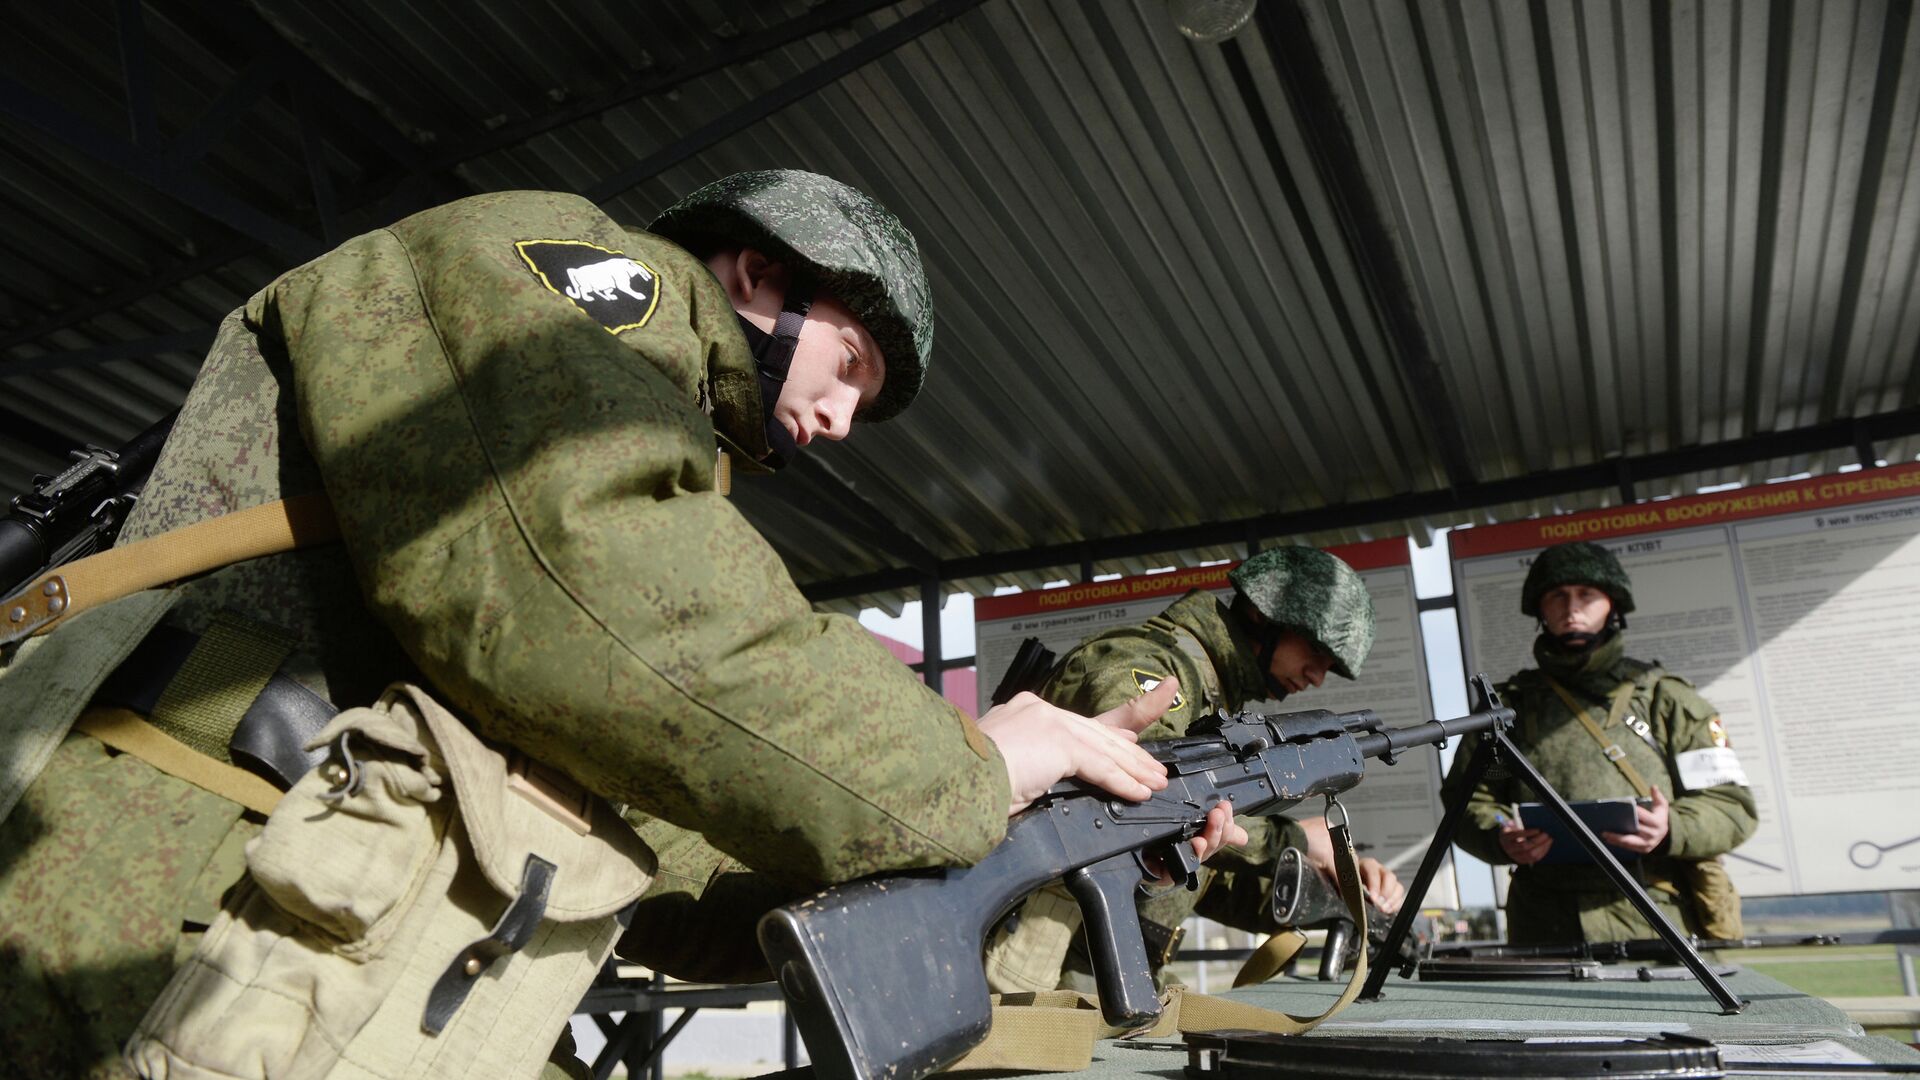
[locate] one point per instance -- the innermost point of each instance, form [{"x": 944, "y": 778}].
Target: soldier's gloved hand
[
  {"x": 1523, "y": 846},
  {"x": 1044, "y": 745},
  {"x": 1651, "y": 831}
]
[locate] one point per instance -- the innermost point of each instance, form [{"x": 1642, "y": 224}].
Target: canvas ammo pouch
[
  {"x": 1716, "y": 903},
  {"x": 411, "y": 909}
]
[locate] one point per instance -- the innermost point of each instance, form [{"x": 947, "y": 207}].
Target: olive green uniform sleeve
[
  {"x": 1108, "y": 672},
  {"x": 529, "y": 503},
  {"x": 1713, "y": 820}
]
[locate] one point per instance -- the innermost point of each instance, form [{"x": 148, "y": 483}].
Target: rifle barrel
[{"x": 1394, "y": 740}]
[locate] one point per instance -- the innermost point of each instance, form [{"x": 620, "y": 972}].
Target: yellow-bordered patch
[
  {"x": 1147, "y": 680},
  {"x": 619, "y": 291}
]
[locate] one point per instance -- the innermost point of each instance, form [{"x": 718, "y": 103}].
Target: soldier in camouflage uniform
[
  {"x": 1298, "y": 613},
  {"x": 1670, "y": 736},
  {"x": 513, "y": 403}
]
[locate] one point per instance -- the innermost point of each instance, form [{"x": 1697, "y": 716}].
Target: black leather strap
[
  {"x": 271, "y": 738},
  {"x": 514, "y": 930}
]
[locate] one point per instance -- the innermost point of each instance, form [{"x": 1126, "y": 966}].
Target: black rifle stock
[
  {"x": 883, "y": 976},
  {"x": 1303, "y": 899}
]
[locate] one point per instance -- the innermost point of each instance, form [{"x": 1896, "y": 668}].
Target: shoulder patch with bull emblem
[
  {"x": 1147, "y": 680},
  {"x": 620, "y": 292}
]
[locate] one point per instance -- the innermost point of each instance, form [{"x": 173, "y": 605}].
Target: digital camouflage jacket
[
  {"x": 511, "y": 403},
  {"x": 1559, "y": 903}
]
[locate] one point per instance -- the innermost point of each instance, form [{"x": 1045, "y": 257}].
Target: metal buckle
[
  {"x": 34, "y": 607},
  {"x": 1614, "y": 753}
]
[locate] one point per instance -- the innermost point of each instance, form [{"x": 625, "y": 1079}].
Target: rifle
[
  {"x": 1303, "y": 899},
  {"x": 883, "y": 976},
  {"x": 77, "y": 512}
]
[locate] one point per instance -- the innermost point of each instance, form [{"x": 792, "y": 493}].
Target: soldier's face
[
  {"x": 837, "y": 371},
  {"x": 1575, "y": 609},
  {"x": 1298, "y": 663}
]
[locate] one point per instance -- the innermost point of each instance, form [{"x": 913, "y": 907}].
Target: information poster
[
  {"x": 1795, "y": 608},
  {"x": 1397, "y": 808}
]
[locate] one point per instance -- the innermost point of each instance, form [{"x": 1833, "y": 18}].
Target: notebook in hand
[{"x": 1601, "y": 815}]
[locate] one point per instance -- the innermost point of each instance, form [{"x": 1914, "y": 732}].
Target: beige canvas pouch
[{"x": 411, "y": 909}]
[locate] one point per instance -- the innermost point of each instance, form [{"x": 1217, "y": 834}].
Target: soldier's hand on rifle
[
  {"x": 1219, "y": 831},
  {"x": 1383, "y": 886},
  {"x": 1652, "y": 830},
  {"x": 1523, "y": 846},
  {"x": 1044, "y": 745}
]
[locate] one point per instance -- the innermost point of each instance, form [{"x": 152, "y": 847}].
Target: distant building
[{"x": 960, "y": 684}]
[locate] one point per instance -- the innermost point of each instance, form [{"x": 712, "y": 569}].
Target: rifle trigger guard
[{"x": 1333, "y": 803}]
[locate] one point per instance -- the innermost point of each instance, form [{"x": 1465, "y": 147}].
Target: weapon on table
[
  {"x": 1303, "y": 899},
  {"x": 883, "y": 975},
  {"x": 77, "y": 512}
]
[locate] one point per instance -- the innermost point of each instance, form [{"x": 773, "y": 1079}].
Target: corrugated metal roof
[{"x": 1361, "y": 250}]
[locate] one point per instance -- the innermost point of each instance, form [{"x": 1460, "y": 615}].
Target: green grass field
[{"x": 1832, "y": 971}]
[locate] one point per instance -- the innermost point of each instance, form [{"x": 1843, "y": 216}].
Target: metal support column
[{"x": 933, "y": 673}]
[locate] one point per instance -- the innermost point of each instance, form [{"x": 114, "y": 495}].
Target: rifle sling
[
  {"x": 268, "y": 529},
  {"x": 1271, "y": 956},
  {"x": 1055, "y": 1031},
  {"x": 129, "y": 733},
  {"x": 1619, "y": 698}
]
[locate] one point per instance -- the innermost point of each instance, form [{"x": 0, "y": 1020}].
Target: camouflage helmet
[
  {"x": 1576, "y": 562},
  {"x": 1313, "y": 593},
  {"x": 854, "y": 248}
]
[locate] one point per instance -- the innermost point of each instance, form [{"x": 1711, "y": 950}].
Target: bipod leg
[
  {"x": 1429, "y": 866},
  {"x": 1629, "y": 888}
]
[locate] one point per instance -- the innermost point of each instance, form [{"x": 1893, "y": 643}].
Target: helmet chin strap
[
  {"x": 1582, "y": 641},
  {"x": 772, "y": 361},
  {"x": 1268, "y": 636}
]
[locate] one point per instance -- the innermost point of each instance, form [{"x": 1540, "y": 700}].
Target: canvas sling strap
[
  {"x": 196, "y": 706},
  {"x": 68, "y": 590},
  {"x": 1055, "y": 1031},
  {"x": 130, "y": 733},
  {"x": 1616, "y": 711}
]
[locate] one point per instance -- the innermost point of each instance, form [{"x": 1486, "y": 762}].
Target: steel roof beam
[
  {"x": 136, "y": 73},
  {"x": 1318, "y": 114},
  {"x": 150, "y": 166},
  {"x": 1599, "y": 475},
  {"x": 746, "y": 47},
  {"x": 26, "y": 430},
  {"x": 1893, "y": 51},
  {"x": 800, "y": 86},
  {"x": 226, "y": 251},
  {"x": 247, "y": 89},
  {"x": 275, "y": 61},
  {"x": 189, "y": 341}
]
